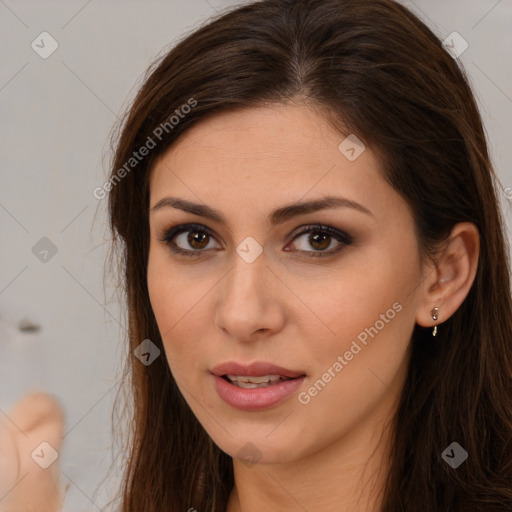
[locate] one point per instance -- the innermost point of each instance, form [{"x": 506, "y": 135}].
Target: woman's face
[{"x": 334, "y": 309}]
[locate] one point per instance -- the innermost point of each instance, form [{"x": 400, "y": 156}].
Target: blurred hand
[{"x": 25, "y": 486}]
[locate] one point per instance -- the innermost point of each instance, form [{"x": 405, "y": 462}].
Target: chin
[{"x": 259, "y": 449}]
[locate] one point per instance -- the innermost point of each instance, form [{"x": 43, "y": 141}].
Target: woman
[{"x": 315, "y": 270}]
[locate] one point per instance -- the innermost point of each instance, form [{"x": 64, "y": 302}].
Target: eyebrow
[{"x": 278, "y": 216}]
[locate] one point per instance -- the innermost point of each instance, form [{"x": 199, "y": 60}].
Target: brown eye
[
  {"x": 189, "y": 239},
  {"x": 320, "y": 238},
  {"x": 194, "y": 239},
  {"x": 197, "y": 239},
  {"x": 319, "y": 241}
]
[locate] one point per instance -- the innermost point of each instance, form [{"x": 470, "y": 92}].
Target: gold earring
[{"x": 434, "y": 317}]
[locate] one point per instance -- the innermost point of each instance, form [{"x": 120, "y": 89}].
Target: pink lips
[{"x": 251, "y": 399}]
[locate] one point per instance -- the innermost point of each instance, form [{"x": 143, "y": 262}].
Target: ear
[{"x": 448, "y": 282}]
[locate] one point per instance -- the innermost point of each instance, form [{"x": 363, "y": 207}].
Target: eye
[
  {"x": 193, "y": 239},
  {"x": 320, "y": 237},
  {"x": 194, "y": 236}
]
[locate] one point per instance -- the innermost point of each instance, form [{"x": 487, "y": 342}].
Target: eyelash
[{"x": 343, "y": 238}]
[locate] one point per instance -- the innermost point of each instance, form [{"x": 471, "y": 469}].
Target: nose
[{"x": 250, "y": 301}]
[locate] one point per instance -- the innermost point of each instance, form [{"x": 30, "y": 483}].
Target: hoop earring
[{"x": 434, "y": 313}]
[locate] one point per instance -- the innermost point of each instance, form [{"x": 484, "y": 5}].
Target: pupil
[
  {"x": 195, "y": 238},
  {"x": 319, "y": 238}
]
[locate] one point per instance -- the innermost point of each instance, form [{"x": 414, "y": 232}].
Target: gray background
[{"x": 56, "y": 117}]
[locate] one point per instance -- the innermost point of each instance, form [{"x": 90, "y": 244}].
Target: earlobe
[{"x": 454, "y": 274}]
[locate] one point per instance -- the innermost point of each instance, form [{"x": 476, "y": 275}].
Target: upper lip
[{"x": 255, "y": 369}]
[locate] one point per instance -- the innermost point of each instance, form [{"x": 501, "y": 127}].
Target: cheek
[
  {"x": 365, "y": 292},
  {"x": 177, "y": 302},
  {"x": 360, "y": 368},
  {"x": 369, "y": 310}
]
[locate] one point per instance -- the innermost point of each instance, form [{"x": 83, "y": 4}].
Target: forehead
[
  {"x": 274, "y": 133},
  {"x": 266, "y": 156}
]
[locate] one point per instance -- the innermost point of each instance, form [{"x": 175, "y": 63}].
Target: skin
[
  {"x": 24, "y": 485},
  {"x": 284, "y": 307},
  {"x": 290, "y": 309}
]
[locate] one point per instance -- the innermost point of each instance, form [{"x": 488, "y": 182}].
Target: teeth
[
  {"x": 245, "y": 381},
  {"x": 254, "y": 380}
]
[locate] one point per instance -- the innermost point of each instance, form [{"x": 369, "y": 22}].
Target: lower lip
[{"x": 253, "y": 399}]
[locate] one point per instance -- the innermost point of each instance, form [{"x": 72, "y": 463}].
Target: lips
[
  {"x": 256, "y": 386},
  {"x": 256, "y": 369}
]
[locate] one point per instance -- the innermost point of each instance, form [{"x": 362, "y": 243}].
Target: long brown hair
[{"x": 374, "y": 70}]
